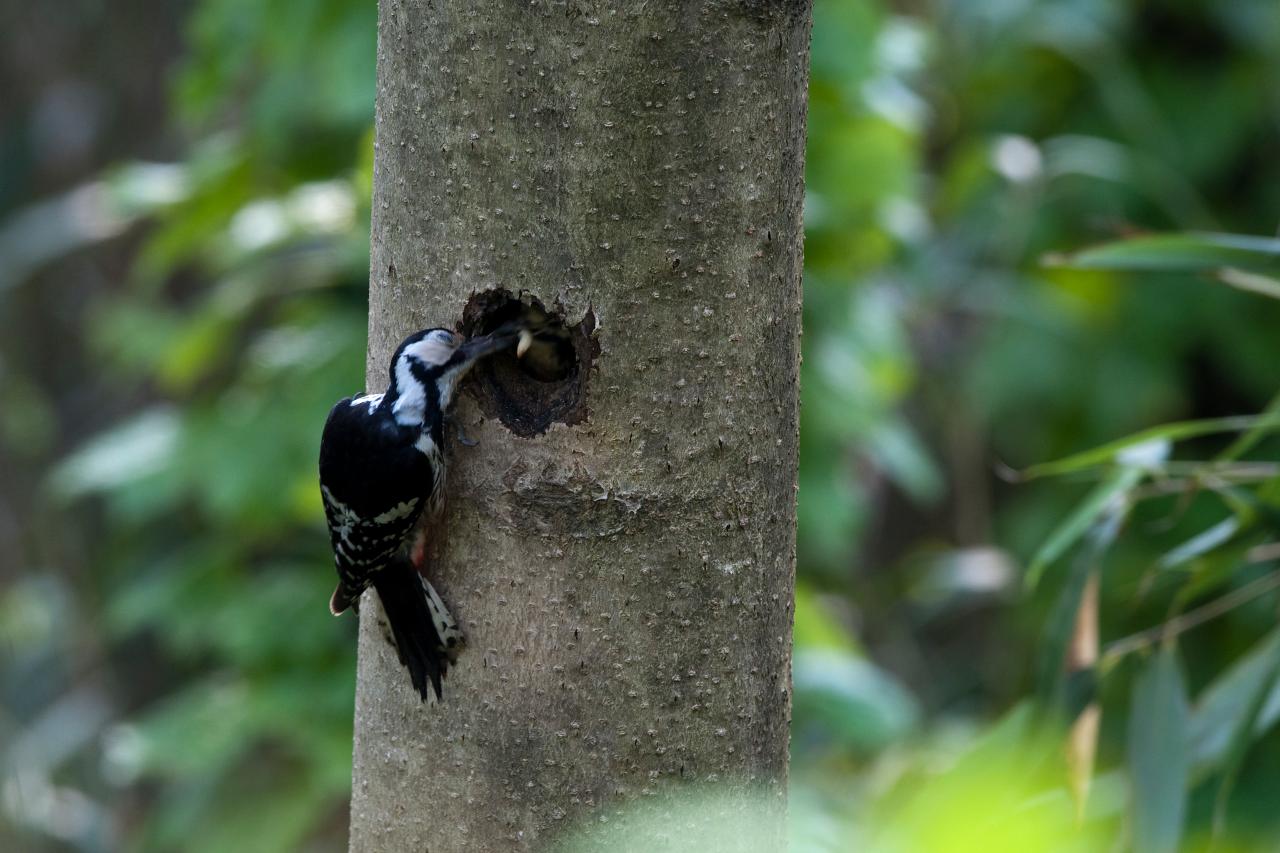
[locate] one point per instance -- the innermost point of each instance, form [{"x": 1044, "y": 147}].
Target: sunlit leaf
[
  {"x": 1082, "y": 749},
  {"x": 143, "y": 189},
  {"x": 816, "y": 627},
  {"x": 1213, "y": 569},
  {"x": 1250, "y": 282},
  {"x": 1082, "y": 656},
  {"x": 1159, "y": 758},
  {"x": 1201, "y": 543},
  {"x": 906, "y": 461},
  {"x": 1177, "y": 431},
  {"x": 49, "y": 229},
  {"x": 851, "y": 699},
  {"x": 1250, "y": 438},
  {"x": 1062, "y": 689},
  {"x": 1242, "y": 737},
  {"x": 1188, "y": 252},
  {"x": 993, "y": 798},
  {"x": 1221, "y": 707},
  {"x": 1107, "y": 495},
  {"x": 135, "y": 449}
]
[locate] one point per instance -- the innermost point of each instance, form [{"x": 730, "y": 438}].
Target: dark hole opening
[{"x": 549, "y": 384}]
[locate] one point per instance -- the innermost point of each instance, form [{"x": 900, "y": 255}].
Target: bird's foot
[{"x": 418, "y": 553}]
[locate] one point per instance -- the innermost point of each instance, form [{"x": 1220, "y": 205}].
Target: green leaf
[
  {"x": 1246, "y": 442},
  {"x": 1176, "y": 431},
  {"x": 124, "y": 454},
  {"x": 855, "y": 702},
  {"x": 1250, "y": 282},
  {"x": 906, "y": 461},
  {"x": 1107, "y": 495},
  {"x": 1202, "y": 543},
  {"x": 1159, "y": 758},
  {"x": 202, "y": 730},
  {"x": 1214, "y": 570},
  {"x": 1055, "y": 686},
  {"x": 1226, "y": 702},
  {"x": 816, "y": 627},
  {"x": 1242, "y": 736},
  {"x": 1186, "y": 252}
]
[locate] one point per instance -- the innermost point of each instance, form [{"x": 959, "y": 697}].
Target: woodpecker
[{"x": 382, "y": 469}]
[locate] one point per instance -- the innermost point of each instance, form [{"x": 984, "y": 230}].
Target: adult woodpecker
[{"x": 382, "y": 468}]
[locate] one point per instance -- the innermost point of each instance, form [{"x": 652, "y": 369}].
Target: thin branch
[
  {"x": 1179, "y": 485},
  {"x": 1224, "y": 469},
  {"x": 1193, "y": 618}
]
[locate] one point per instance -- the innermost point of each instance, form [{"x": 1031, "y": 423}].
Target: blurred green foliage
[{"x": 202, "y": 698}]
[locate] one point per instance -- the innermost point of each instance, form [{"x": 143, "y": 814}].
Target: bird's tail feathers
[
  {"x": 425, "y": 635},
  {"x": 341, "y": 599}
]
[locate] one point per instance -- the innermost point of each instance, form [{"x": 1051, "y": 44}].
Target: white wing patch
[
  {"x": 370, "y": 400},
  {"x": 397, "y": 512},
  {"x": 346, "y": 520},
  {"x": 450, "y": 636}
]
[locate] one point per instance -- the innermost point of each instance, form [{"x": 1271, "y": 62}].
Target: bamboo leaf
[
  {"x": 1056, "y": 687},
  {"x": 1107, "y": 495},
  {"x": 1241, "y": 738},
  {"x": 1224, "y": 704},
  {"x": 1213, "y": 571},
  {"x": 1183, "y": 622},
  {"x": 1202, "y": 543},
  {"x": 1245, "y": 442},
  {"x": 1185, "y": 252},
  {"x": 1177, "y": 431},
  {"x": 1159, "y": 758},
  {"x": 1082, "y": 750},
  {"x": 131, "y": 451},
  {"x": 1249, "y": 282},
  {"x": 1051, "y": 680},
  {"x": 1082, "y": 656}
]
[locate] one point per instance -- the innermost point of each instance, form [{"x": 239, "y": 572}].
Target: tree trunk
[{"x": 619, "y": 547}]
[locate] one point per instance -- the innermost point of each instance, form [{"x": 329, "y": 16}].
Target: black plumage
[
  {"x": 369, "y": 467},
  {"x": 381, "y": 469}
]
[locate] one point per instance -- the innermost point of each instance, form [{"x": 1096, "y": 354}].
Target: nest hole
[{"x": 549, "y": 384}]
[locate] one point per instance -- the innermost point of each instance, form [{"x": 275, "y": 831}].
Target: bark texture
[{"x": 625, "y": 580}]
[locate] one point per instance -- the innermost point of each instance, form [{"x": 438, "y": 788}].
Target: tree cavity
[{"x": 549, "y": 384}]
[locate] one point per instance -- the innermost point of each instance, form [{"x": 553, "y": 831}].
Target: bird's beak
[
  {"x": 526, "y": 341},
  {"x": 482, "y": 345}
]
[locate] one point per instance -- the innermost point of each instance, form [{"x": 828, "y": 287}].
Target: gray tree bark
[{"x": 624, "y": 577}]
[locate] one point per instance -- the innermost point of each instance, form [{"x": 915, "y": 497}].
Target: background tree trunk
[{"x": 625, "y": 579}]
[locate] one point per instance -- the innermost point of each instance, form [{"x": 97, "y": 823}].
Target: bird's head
[
  {"x": 428, "y": 364},
  {"x": 422, "y": 352}
]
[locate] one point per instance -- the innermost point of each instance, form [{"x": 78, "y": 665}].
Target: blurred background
[{"x": 989, "y": 655}]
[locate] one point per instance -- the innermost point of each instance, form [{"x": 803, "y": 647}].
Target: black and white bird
[{"x": 382, "y": 468}]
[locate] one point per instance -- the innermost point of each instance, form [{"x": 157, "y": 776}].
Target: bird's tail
[{"x": 425, "y": 635}]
